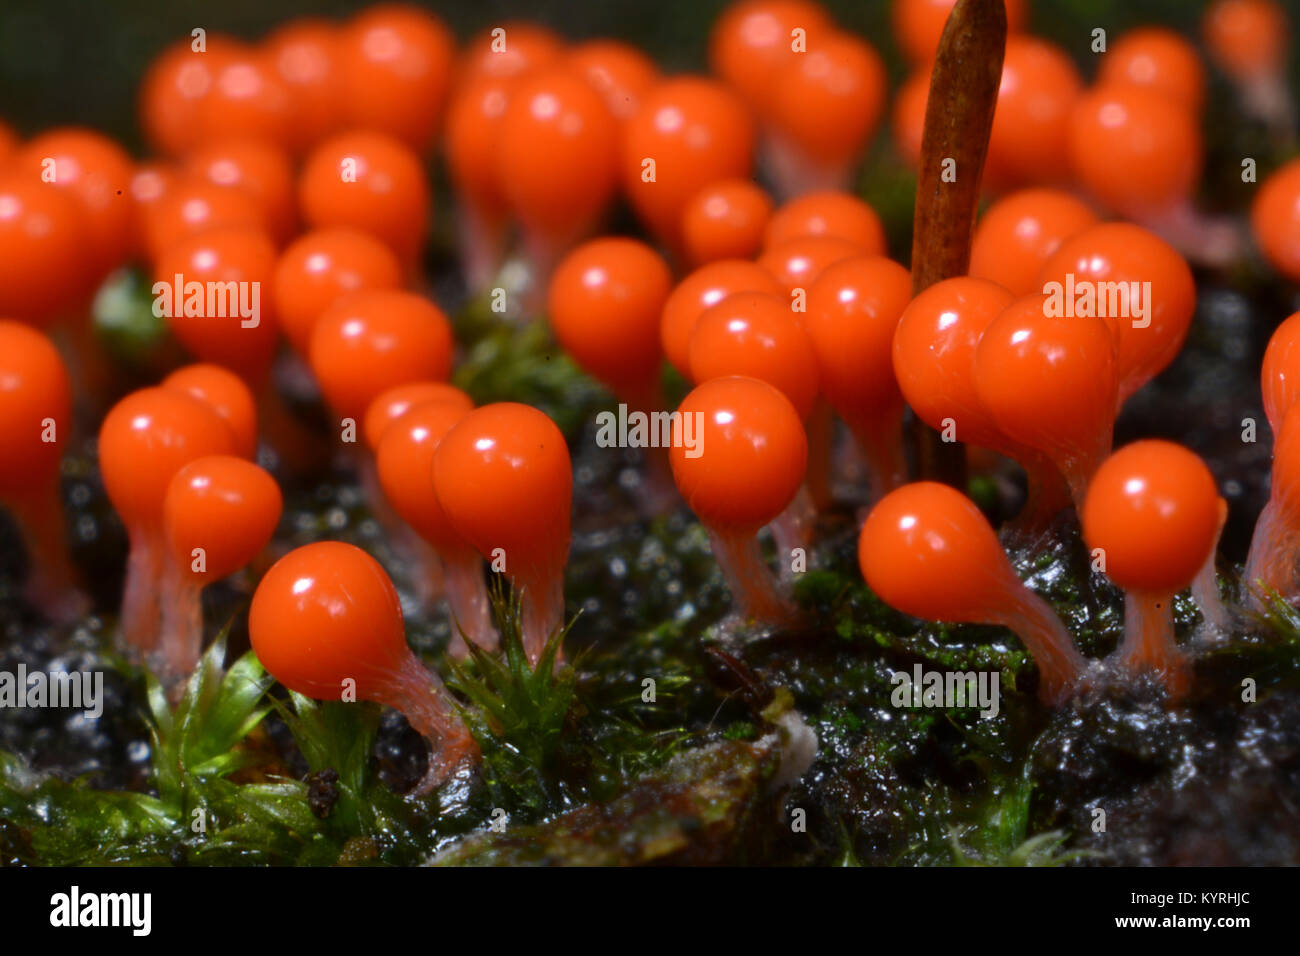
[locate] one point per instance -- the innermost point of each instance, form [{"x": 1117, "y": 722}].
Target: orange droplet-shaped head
[
  {"x": 739, "y": 453},
  {"x": 1279, "y": 379},
  {"x": 618, "y": 71},
  {"x": 192, "y": 204},
  {"x": 1039, "y": 88},
  {"x": 305, "y": 56},
  {"x": 1049, "y": 383},
  {"x": 373, "y": 340},
  {"x": 725, "y": 220},
  {"x": 689, "y": 132},
  {"x": 1136, "y": 151},
  {"x": 509, "y": 49},
  {"x": 705, "y": 287},
  {"x": 1153, "y": 511},
  {"x": 796, "y": 263},
  {"x": 757, "y": 336},
  {"x": 1159, "y": 59},
  {"x": 1275, "y": 219},
  {"x": 227, "y": 394},
  {"x": 557, "y": 152},
  {"x": 145, "y": 439},
  {"x": 176, "y": 83},
  {"x": 319, "y": 268},
  {"x": 96, "y": 172},
  {"x": 248, "y": 100},
  {"x": 263, "y": 170},
  {"x": 390, "y": 405},
  {"x": 853, "y": 310},
  {"x": 829, "y": 100},
  {"x": 1247, "y": 38},
  {"x": 35, "y": 411},
  {"x": 369, "y": 181},
  {"x": 42, "y": 271},
  {"x": 934, "y": 356},
  {"x": 405, "y": 463},
  {"x": 604, "y": 303},
  {"x": 218, "y": 513},
  {"x": 1114, "y": 261},
  {"x": 926, "y": 550},
  {"x": 327, "y": 613},
  {"x": 837, "y": 215},
  {"x": 1018, "y": 233},
  {"x": 228, "y": 318},
  {"x": 395, "y": 64},
  {"x": 752, "y": 40},
  {"x": 504, "y": 478}
]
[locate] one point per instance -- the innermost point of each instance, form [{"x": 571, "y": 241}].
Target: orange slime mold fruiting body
[
  {"x": 404, "y": 459},
  {"x": 503, "y": 478},
  {"x": 705, "y": 287},
  {"x": 1271, "y": 563},
  {"x": 144, "y": 440},
  {"x": 1049, "y": 383},
  {"x": 853, "y": 310},
  {"x": 326, "y": 621},
  {"x": 226, "y": 393},
  {"x": 218, "y": 513},
  {"x": 1153, "y": 515},
  {"x": 1018, "y": 233},
  {"x": 725, "y": 220},
  {"x": 831, "y": 214},
  {"x": 926, "y": 550},
  {"x": 35, "y": 413},
  {"x": 1248, "y": 40},
  {"x": 749, "y": 467}
]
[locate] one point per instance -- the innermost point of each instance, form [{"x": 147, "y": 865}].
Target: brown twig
[{"x": 958, "y": 120}]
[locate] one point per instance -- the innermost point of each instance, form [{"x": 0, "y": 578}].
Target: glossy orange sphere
[
  {"x": 1117, "y": 252},
  {"x": 832, "y": 214},
  {"x": 42, "y": 269},
  {"x": 907, "y": 122},
  {"x": 396, "y": 63},
  {"x": 1018, "y": 233},
  {"x": 371, "y": 182},
  {"x": 1136, "y": 151},
  {"x": 35, "y": 405},
  {"x": 149, "y": 436},
  {"x": 248, "y": 100},
  {"x": 404, "y": 459},
  {"x": 503, "y": 476},
  {"x": 829, "y": 100},
  {"x": 705, "y": 287},
  {"x": 934, "y": 356},
  {"x": 194, "y": 204},
  {"x": 557, "y": 152},
  {"x": 305, "y": 56},
  {"x": 1049, "y": 383},
  {"x": 757, "y": 336},
  {"x": 1279, "y": 379},
  {"x": 226, "y": 393},
  {"x": 1153, "y": 509},
  {"x": 926, "y": 550},
  {"x": 229, "y": 317},
  {"x": 750, "y": 454},
  {"x": 1159, "y": 59},
  {"x": 176, "y": 84},
  {"x": 374, "y": 340},
  {"x": 390, "y": 405},
  {"x": 853, "y": 310},
  {"x": 918, "y": 24},
  {"x": 327, "y": 613},
  {"x": 321, "y": 267},
  {"x": 725, "y": 220},
  {"x": 1275, "y": 219},
  {"x": 1246, "y": 38},
  {"x": 604, "y": 304},
  {"x": 510, "y": 49},
  {"x": 96, "y": 172},
  {"x": 753, "y": 39},
  {"x": 1036, "y": 97},
  {"x": 618, "y": 71},
  {"x": 262, "y": 170},
  {"x": 689, "y": 132},
  {"x": 797, "y": 263},
  {"x": 227, "y": 507},
  {"x": 471, "y": 141}
]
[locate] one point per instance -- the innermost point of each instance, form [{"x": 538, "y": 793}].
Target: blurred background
[{"x": 73, "y": 61}]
